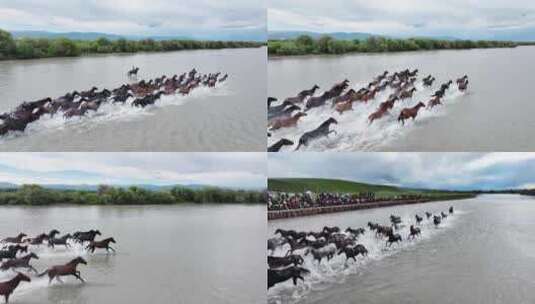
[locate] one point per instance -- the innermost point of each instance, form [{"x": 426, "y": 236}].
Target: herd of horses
[
  {"x": 76, "y": 104},
  {"x": 16, "y": 255},
  {"x": 331, "y": 241},
  {"x": 341, "y": 98}
]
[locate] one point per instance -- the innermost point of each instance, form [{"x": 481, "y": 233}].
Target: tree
[
  {"x": 324, "y": 43},
  {"x": 7, "y": 45}
]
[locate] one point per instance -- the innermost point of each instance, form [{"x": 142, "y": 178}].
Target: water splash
[{"x": 354, "y": 131}]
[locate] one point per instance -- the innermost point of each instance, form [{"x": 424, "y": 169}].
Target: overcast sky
[
  {"x": 237, "y": 170},
  {"x": 474, "y": 19},
  {"x": 455, "y": 171},
  {"x": 137, "y": 17}
]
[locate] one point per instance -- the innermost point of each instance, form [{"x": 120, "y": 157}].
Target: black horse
[
  {"x": 428, "y": 214},
  {"x": 278, "y": 145},
  {"x": 393, "y": 238},
  {"x": 419, "y": 219},
  {"x": 451, "y": 210},
  {"x": 437, "y": 220},
  {"x": 87, "y": 236},
  {"x": 59, "y": 241},
  {"x": 133, "y": 71},
  {"x": 353, "y": 252},
  {"x": 276, "y": 276},
  {"x": 11, "y": 251},
  {"x": 414, "y": 232},
  {"x": 321, "y": 131},
  {"x": 278, "y": 262}
]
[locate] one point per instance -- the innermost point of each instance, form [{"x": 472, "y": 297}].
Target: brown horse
[
  {"x": 377, "y": 114},
  {"x": 7, "y": 288},
  {"x": 104, "y": 244},
  {"x": 343, "y": 106},
  {"x": 286, "y": 122},
  {"x": 433, "y": 102},
  {"x": 23, "y": 262},
  {"x": 410, "y": 112},
  {"x": 58, "y": 271}
]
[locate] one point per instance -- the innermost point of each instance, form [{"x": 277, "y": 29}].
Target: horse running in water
[
  {"x": 7, "y": 288},
  {"x": 68, "y": 269},
  {"x": 276, "y": 276}
]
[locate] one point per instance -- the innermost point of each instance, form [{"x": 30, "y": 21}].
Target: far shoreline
[
  {"x": 305, "y": 212},
  {"x": 325, "y": 55}
]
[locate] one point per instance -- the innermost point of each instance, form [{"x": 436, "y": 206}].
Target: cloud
[
  {"x": 242, "y": 170},
  {"x": 453, "y": 171},
  {"x": 459, "y": 18},
  {"x": 135, "y": 17}
]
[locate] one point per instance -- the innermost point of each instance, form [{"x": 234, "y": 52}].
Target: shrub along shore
[
  {"x": 35, "y": 195},
  {"x": 306, "y": 45},
  {"x": 29, "y": 48}
]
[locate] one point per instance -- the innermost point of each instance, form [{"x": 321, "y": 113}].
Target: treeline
[
  {"x": 36, "y": 195},
  {"x": 27, "y": 48},
  {"x": 306, "y": 45}
]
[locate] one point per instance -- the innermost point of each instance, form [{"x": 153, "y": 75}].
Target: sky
[
  {"x": 234, "y": 170},
  {"x": 449, "y": 171},
  {"x": 466, "y": 19},
  {"x": 194, "y": 18}
]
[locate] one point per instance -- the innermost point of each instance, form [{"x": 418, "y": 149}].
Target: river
[
  {"x": 165, "y": 254},
  {"x": 483, "y": 253},
  {"x": 221, "y": 119},
  {"x": 493, "y": 115}
]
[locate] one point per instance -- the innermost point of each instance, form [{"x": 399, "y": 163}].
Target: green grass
[{"x": 295, "y": 185}]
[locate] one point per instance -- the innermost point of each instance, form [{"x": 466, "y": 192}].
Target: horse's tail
[{"x": 43, "y": 273}]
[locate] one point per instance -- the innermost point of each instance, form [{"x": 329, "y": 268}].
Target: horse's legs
[
  {"x": 6, "y": 296},
  {"x": 111, "y": 248},
  {"x": 295, "y": 280},
  {"x": 59, "y": 280},
  {"x": 32, "y": 268},
  {"x": 79, "y": 277}
]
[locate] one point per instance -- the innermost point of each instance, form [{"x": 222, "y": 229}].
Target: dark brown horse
[
  {"x": 68, "y": 269},
  {"x": 414, "y": 232},
  {"x": 433, "y": 102},
  {"x": 60, "y": 241},
  {"x": 7, "y": 288},
  {"x": 104, "y": 244},
  {"x": 278, "y": 145},
  {"x": 410, "y": 112},
  {"x": 276, "y": 276},
  {"x": 278, "y": 262},
  {"x": 23, "y": 262},
  {"x": 15, "y": 240}
]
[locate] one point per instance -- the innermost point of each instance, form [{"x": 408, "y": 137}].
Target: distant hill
[
  {"x": 245, "y": 35},
  {"x": 87, "y": 187},
  {"x": 87, "y": 35},
  {"x": 284, "y": 35},
  {"x": 7, "y": 186}
]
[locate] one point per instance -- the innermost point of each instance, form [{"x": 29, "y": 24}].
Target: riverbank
[
  {"x": 284, "y": 214},
  {"x": 35, "y": 195},
  {"x": 326, "y": 45},
  {"x": 32, "y": 48}
]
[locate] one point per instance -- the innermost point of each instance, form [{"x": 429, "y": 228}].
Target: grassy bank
[
  {"x": 28, "y": 48},
  {"x": 306, "y": 45},
  {"x": 34, "y": 195},
  {"x": 296, "y": 185}
]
